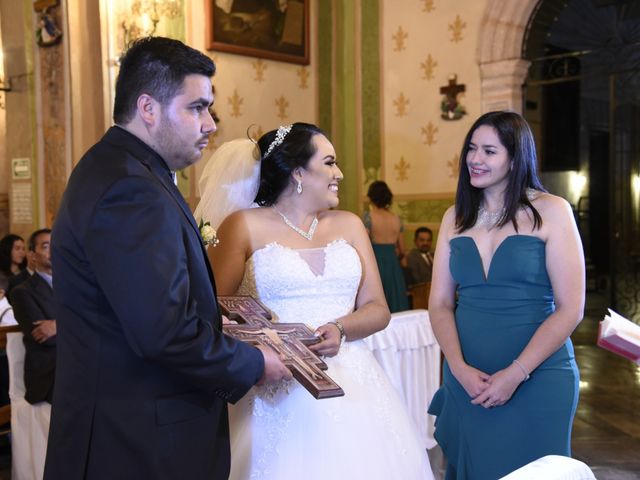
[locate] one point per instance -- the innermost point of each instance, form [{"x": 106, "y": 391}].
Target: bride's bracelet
[{"x": 340, "y": 327}]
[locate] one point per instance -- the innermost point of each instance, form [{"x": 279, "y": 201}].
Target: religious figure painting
[{"x": 272, "y": 29}]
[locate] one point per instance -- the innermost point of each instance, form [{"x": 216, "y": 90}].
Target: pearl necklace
[{"x": 308, "y": 235}]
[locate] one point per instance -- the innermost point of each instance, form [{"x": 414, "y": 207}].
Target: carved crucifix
[
  {"x": 290, "y": 340},
  {"x": 451, "y": 109}
]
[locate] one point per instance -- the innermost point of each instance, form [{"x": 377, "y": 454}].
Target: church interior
[{"x": 396, "y": 85}]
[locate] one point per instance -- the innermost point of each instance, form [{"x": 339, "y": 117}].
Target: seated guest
[
  {"x": 419, "y": 261},
  {"x": 33, "y": 306},
  {"x": 13, "y": 259}
]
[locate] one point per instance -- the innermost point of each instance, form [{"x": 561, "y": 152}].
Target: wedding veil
[{"x": 229, "y": 181}]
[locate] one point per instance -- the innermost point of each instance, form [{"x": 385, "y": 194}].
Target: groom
[{"x": 143, "y": 370}]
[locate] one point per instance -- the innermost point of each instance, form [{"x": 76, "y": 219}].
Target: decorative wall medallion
[
  {"x": 399, "y": 38},
  {"x": 450, "y": 108},
  {"x": 453, "y": 166},
  {"x": 428, "y": 66},
  {"x": 282, "y": 105},
  {"x": 402, "y": 167},
  {"x": 401, "y": 104},
  {"x": 429, "y": 132},
  {"x": 456, "y": 29},
  {"x": 428, "y": 6},
  {"x": 260, "y": 67},
  {"x": 235, "y": 102},
  {"x": 47, "y": 32},
  {"x": 303, "y": 76}
]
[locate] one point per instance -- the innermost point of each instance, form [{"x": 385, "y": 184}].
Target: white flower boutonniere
[{"x": 208, "y": 234}]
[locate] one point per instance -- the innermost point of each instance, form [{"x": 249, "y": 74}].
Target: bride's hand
[{"x": 329, "y": 343}]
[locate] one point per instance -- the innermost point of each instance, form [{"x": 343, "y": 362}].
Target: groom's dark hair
[
  {"x": 155, "y": 66},
  {"x": 293, "y": 152}
]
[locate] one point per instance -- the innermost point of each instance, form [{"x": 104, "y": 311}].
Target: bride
[{"x": 306, "y": 263}]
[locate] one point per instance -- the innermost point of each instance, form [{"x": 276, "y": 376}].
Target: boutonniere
[{"x": 208, "y": 234}]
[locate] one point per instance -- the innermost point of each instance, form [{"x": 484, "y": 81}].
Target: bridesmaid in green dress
[
  {"x": 385, "y": 230},
  {"x": 508, "y": 289}
]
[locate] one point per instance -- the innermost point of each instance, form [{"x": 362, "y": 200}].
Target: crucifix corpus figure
[
  {"x": 450, "y": 108},
  {"x": 290, "y": 340}
]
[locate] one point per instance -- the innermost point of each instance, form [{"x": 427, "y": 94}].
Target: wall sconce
[{"x": 145, "y": 16}]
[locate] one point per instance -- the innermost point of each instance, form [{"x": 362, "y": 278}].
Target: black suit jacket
[
  {"x": 33, "y": 300},
  {"x": 144, "y": 372},
  {"x": 418, "y": 271}
]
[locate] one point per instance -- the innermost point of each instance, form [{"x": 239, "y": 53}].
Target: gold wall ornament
[
  {"x": 453, "y": 166},
  {"x": 260, "y": 67},
  {"x": 235, "y": 102},
  {"x": 429, "y": 131},
  {"x": 401, "y": 104},
  {"x": 402, "y": 167},
  {"x": 428, "y": 66},
  {"x": 282, "y": 105},
  {"x": 456, "y": 29},
  {"x": 428, "y": 6},
  {"x": 399, "y": 38},
  {"x": 303, "y": 76}
]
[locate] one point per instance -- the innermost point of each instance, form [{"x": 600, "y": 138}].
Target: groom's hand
[{"x": 274, "y": 369}]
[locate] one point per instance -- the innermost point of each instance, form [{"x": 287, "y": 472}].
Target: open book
[{"x": 620, "y": 336}]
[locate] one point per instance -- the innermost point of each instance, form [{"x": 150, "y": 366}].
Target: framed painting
[{"x": 273, "y": 29}]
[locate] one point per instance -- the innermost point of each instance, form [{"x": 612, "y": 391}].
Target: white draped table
[{"x": 408, "y": 352}]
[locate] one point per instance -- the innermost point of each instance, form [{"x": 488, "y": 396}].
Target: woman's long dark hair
[
  {"x": 6, "y": 246},
  {"x": 515, "y": 135},
  {"x": 294, "y": 152}
]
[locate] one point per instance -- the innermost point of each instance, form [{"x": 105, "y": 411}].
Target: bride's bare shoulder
[{"x": 341, "y": 218}]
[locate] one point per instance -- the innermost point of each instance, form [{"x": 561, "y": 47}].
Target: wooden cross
[
  {"x": 452, "y": 89},
  {"x": 289, "y": 340}
]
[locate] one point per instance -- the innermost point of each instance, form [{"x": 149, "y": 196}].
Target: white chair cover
[
  {"x": 408, "y": 352},
  {"x": 552, "y": 467},
  {"x": 29, "y": 423}
]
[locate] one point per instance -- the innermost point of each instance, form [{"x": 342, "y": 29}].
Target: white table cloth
[
  {"x": 408, "y": 352},
  {"x": 29, "y": 423},
  {"x": 552, "y": 467}
]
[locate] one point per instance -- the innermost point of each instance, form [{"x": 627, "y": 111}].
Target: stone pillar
[{"x": 502, "y": 83}]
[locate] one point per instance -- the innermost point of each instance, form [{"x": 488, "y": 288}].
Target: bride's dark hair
[{"x": 295, "y": 151}]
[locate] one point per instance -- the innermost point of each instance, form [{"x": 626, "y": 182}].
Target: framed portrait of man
[{"x": 272, "y": 29}]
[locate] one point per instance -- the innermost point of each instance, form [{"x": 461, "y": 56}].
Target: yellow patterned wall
[{"x": 423, "y": 42}]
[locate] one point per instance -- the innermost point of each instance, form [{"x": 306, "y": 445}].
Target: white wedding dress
[{"x": 282, "y": 432}]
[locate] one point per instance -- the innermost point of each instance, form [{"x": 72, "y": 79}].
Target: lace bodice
[{"x": 307, "y": 285}]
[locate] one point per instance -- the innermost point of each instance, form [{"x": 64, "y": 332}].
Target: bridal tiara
[{"x": 282, "y": 132}]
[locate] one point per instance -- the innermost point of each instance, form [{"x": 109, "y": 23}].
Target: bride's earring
[{"x": 299, "y": 188}]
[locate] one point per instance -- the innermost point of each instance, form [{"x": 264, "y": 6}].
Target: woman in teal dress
[
  {"x": 508, "y": 290},
  {"x": 385, "y": 230}
]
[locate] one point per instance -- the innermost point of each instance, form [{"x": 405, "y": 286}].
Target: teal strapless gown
[
  {"x": 496, "y": 317},
  {"x": 393, "y": 284}
]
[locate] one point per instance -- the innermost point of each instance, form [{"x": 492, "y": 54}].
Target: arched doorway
[{"x": 582, "y": 99}]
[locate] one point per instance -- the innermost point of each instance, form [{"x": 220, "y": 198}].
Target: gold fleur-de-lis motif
[
  {"x": 401, "y": 105},
  {"x": 399, "y": 37},
  {"x": 401, "y": 168},
  {"x": 235, "y": 102},
  {"x": 428, "y": 66},
  {"x": 259, "y": 66},
  {"x": 282, "y": 105},
  {"x": 303, "y": 76},
  {"x": 456, "y": 29},
  {"x": 429, "y": 131},
  {"x": 428, "y": 6},
  {"x": 452, "y": 166}
]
